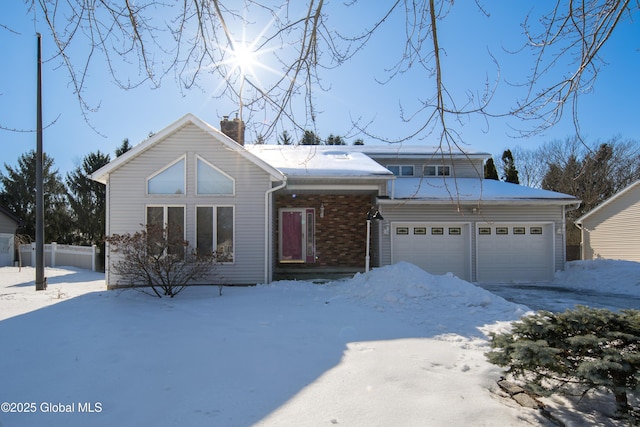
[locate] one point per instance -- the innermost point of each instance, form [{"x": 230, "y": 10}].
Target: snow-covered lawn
[{"x": 394, "y": 347}]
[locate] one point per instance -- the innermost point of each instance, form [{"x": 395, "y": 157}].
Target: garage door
[
  {"x": 514, "y": 252},
  {"x": 438, "y": 248}
]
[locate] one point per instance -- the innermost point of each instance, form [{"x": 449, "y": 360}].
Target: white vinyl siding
[
  {"x": 613, "y": 231},
  {"x": 128, "y": 198}
]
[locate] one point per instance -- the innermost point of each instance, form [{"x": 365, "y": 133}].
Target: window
[
  {"x": 518, "y": 230},
  {"x": 170, "y": 219},
  {"x": 484, "y": 230},
  {"x": 210, "y": 180},
  {"x": 455, "y": 231},
  {"x": 402, "y": 230},
  {"x": 432, "y": 170},
  {"x": 401, "y": 170},
  {"x": 214, "y": 231},
  {"x": 420, "y": 230},
  {"x": 437, "y": 231},
  {"x": 502, "y": 230},
  {"x": 535, "y": 230},
  {"x": 169, "y": 180}
]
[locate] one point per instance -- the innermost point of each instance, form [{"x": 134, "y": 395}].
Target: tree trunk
[{"x": 622, "y": 405}]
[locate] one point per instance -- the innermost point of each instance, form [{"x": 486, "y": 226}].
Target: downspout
[
  {"x": 568, "y": 208},
  {"x": 267, "y": 227}
]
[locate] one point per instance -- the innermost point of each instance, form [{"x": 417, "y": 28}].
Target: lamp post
[{"x": 373, "y": 213}]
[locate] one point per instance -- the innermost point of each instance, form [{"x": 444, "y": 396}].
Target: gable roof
[
  {"x": 610, "y": 200},
  {"x": 320, "y": 161},
  {"x": 101, "y": 175},
  {"x": 10, "y": 215},
  {"x": 472, "y": 190}
]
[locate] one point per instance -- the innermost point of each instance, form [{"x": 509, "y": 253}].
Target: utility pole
[{"x": 41, "y": 281}]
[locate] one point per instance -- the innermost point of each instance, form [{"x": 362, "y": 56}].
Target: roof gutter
[{"x": 268, "y": 221}]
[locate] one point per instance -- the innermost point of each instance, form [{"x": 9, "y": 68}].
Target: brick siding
[{"x": 341, "y": 235}]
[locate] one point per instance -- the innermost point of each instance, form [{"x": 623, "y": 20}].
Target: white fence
[{"x": 62, "y": 255}]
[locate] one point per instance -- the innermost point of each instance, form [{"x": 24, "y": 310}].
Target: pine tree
[
  {"x": 19, "y": 196},
  {"x": 285, "y": 138},
  {"x": 310, "y": 138},
  {"x": 573, "y": 352},
  {"x": 124, "y": 147},
  {"x": 509, "y": 168},
  {"x": 87, "y": 199},
  {"x": 490, "y": 171},
  {"x": 335, "y": 140}
]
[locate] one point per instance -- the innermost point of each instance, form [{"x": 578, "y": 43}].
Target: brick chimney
[{"x": 234, "y": 129}]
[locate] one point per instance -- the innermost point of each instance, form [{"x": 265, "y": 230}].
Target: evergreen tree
[
  {"x": 509, "y": 168},
  {"x": 358, "y": 141},
  {"x": 335, "y": 140},
  {"x": 124, "y": 147},
  {"x": 573, "y": 352},
  {"x": 19, "y": 196},
  {"x": 490, "y": 171},
  {"x": 310, "y": 138},
  {"x": 87, "y": 200},
  {"x": 285, "y": 138}
]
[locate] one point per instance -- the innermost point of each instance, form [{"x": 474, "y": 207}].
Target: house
[
  {"x": 612, "y": 229},
  {"x": 272, "y": 211},
  {"x": 9, "y": 223}
]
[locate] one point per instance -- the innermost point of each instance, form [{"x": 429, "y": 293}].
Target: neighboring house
[
  {"x": 272, "y": 211},
  {"x": 612, "y": 229},
  {"x": 9, "y": 223}
]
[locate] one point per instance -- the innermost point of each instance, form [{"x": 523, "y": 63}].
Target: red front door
[{"x": 297, "y": 235}]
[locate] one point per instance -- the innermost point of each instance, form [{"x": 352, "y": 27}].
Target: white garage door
[
  {"x": 514, "y": 252},
  {"x": 438, "y": 248}
]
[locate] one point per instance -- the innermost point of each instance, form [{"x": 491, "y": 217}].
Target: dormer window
[
  {"x": 434, "y": 170},
  {"x": 168, "y": 180},
  {"x": 401, "y": 170}
]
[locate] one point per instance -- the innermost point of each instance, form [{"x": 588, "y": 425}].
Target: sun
[{"x": 244, "y": 58}]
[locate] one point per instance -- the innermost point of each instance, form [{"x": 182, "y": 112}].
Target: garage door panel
[
  {"x": 438, "y": 248},
  {"x": 510, "y": 256}
]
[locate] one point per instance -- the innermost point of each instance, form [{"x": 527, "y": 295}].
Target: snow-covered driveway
[
  {"x": 557, "y": 298},
  {"x": 613, "y": 285}
]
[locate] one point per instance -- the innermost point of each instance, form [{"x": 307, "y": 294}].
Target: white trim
[
  {"x": 214, "y": 242},
  {"x": 165, "y": 215},
  {"x": 101, "y": 175},
  {"x": 332, "y": 187},
  {"x": 304, "y": 241},
  {"x": 494, "y": 224},
  {"x": 607, "y": 202},
  {"x": 159, "y": 171},
  {"x": 232, "y": 179},
  {"x": 470, "y": 231},
  {"x": 268, "y": 231}
]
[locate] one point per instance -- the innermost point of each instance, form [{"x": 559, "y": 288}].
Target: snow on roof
[
  {"x": 407, "y": 150},
  {"x": 318, "y": 161},
  {"x": 471, "y": 189}
]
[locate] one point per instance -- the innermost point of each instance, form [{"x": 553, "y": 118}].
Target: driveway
[{"x": 556, "y": 298}]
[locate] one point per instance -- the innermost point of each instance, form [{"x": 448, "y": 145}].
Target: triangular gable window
[
  {"x": 211, "y": 180},
  {"x": 169, "y": 180}
]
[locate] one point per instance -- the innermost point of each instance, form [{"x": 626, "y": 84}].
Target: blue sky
[{"x": 610, "y": 109}]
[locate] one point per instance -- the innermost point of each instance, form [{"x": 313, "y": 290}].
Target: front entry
[{"x": 297, "y": 235}]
